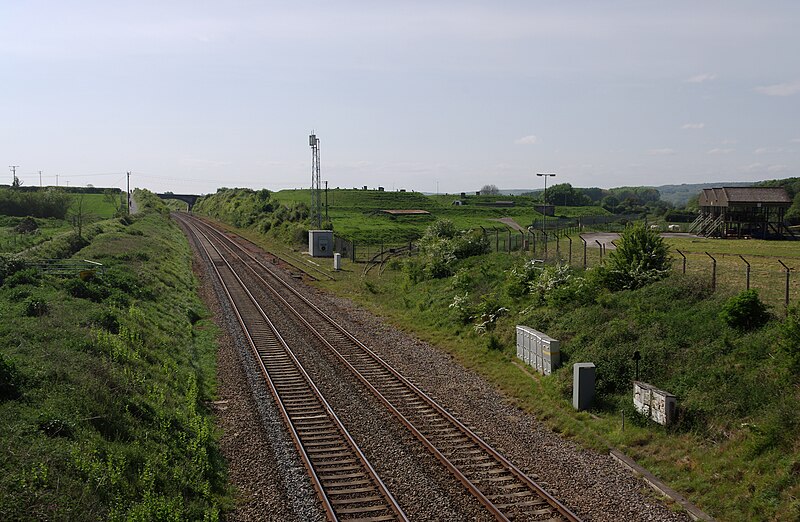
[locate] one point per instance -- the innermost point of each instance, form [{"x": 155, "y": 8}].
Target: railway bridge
[{"x": 189, "y": 199}]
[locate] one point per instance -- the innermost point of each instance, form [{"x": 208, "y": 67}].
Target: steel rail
[
  {"x": 516, "y": 500},
  {"x": 345, "y": 481}
]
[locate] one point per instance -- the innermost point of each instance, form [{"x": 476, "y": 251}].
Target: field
[
  {"x": 355, "y": 213},
  {"x": 93, "y": 207}
]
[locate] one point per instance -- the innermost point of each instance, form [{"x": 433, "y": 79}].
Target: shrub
[
  {"x": 641, "y": 258},
  {"x": 745, "y": 311},
  {"x": 10, "y": 379},
  {"x": 27, "y": 276},
  {"x": 36, "y": 308}
]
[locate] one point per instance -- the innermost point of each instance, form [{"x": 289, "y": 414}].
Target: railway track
[
  {"x": 500, "y": 486},
  {"x": 345, "y": 482}
]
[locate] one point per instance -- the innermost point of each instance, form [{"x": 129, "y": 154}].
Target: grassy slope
[
  {"x": 734, "y": 451},
  {"x": 95, "y": 207},
  {"x": 354, "y": 212},
  {"x": 110, "y": 421}
]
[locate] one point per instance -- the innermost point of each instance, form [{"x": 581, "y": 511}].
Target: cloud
[
  {"x": 527, "y": 140},
  {"x": 693, "y": 126},
  {"x": 720, "y": 151},
  {"x": 700, "y": 78},
  {"x": 660, "y": 152},
  {"x": 780, "y": 89},
  {"x": 767, "y": 150},
  {"x": 795, "y": 140},
  {"x": 777, "y": 168}
]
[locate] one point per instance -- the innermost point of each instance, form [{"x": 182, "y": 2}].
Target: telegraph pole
[
  {"x": 14, "y": 172},
  {"x": 129, "y": 192},
  {"x": 545, "y": 175}
]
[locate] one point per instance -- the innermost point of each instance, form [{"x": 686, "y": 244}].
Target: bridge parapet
[{"x": 190, "y": 199}]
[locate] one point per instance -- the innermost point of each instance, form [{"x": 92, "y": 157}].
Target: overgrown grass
[{"x": 112, "y": 373}]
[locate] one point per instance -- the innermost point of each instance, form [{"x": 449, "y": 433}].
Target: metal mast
[{"x": 316, "y": 200}]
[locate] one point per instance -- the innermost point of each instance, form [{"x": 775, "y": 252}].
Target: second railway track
[{"x": 501, "y": 487}]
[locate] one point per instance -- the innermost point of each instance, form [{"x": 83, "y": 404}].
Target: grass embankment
[
  {"x": 105, "y": 381},
  {"x": 355, "y": 214},
  {"x": 93, "y": 207},
  {"x": 734, "y": 450}
]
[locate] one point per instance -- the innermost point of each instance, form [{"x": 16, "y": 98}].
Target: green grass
[
  {"x": 14, "y": 242},
  {"x": 111, "y": 376},
  {"x": 95, "y": 206},
  {"x": 355, "y": 213}
]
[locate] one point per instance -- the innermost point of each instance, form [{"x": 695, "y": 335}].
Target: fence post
[
  {"x": 747, "y": 271},
  {"x": 786, "y": 293},
  {"x": 570, "y": 251},
  {"x": 496, "y": 240},
  {"x": 584, "y": 251},
  {"x": 523, "y": 247},
  {"x": 546, "y": 238},
  {"x": 713, "y": 272},
  {"x": 509, "y": 240},
  {"x": 684, "y": 260},
  {"x": 601, "y": 249}
]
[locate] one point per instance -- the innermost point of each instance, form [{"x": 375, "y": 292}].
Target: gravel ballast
[{"x": 591, "y": 484}]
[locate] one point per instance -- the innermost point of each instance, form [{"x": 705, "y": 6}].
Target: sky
[{"x": 433, "y": 96}]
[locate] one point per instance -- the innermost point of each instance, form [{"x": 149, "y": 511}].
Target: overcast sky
[{"x": 428, "y": 96}]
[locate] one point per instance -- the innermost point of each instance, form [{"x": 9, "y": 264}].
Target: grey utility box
[
  {"x": 538, "y": 350},
  {"x": 583, "y": 375},
  {"x": 320, "y": 243}
]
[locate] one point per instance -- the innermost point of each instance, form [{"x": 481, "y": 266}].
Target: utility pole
[
  {"x": 40, "y": 179},
  {"x": 14, "y": 172},
  {"x": 129, "y": 192},
  {"x": 545, "y": 175},
  {"x": 326, "y": 200}
]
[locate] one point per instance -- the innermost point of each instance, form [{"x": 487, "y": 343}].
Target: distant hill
[{"x": 678, "y": 195}]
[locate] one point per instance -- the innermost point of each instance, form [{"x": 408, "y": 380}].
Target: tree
[
  {"x": 114, "y": 198},
  {"x": 641, "y": 258},
  {"x": 490, "y": 190}
]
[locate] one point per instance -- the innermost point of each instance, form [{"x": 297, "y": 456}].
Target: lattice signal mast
[{"x": 316, "y": 190}]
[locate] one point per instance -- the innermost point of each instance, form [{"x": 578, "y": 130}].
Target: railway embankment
[{"x": 107, "y": 375}]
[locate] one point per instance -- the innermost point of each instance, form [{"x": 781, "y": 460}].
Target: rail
[{"x": 500, "y": 486}]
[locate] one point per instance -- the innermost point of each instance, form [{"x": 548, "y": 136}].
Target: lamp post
[{"x": 545, "y": 175}]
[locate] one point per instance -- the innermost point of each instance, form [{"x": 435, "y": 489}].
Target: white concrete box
[
  {"x": 656, "y": 404},
  {"x": 320, "y": 243}
]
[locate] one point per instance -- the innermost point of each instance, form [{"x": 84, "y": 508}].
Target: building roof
[
  {"x": 404, "y": 212},
  {"x": 725, "y": 196}
]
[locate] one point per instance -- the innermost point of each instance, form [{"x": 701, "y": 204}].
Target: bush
[
  {"x": 745, "y": 311},
  {"x": 26, "y": 276},
  {"x": 10, "y": 379},
  {"x": 641, "y": 258},
  {"x": 36, "y": 308}
]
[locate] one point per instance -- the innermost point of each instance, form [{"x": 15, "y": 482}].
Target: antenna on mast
[{"x": 316, "y": 203}]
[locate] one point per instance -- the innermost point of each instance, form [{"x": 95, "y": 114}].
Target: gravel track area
[
  {"x": 263, "y": 465},
  {"x": 592, "y": 484}
]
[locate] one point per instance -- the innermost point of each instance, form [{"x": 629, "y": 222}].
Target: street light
[{"x": 545, "y": 175}]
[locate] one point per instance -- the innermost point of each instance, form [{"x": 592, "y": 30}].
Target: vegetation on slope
[
  {"x": 104, "y": 381},
  {"x": 734, "y": 448}
]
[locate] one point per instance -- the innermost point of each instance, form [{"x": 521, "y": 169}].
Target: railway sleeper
[
  {"x": 334, "y": 485},
  {"x": 358, "y": 500},
  {"x": 331, "y": 492},
  {"x": 363, "y": 509}
]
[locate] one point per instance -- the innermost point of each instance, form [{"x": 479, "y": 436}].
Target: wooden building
[{"x": 742, "y": 212}]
